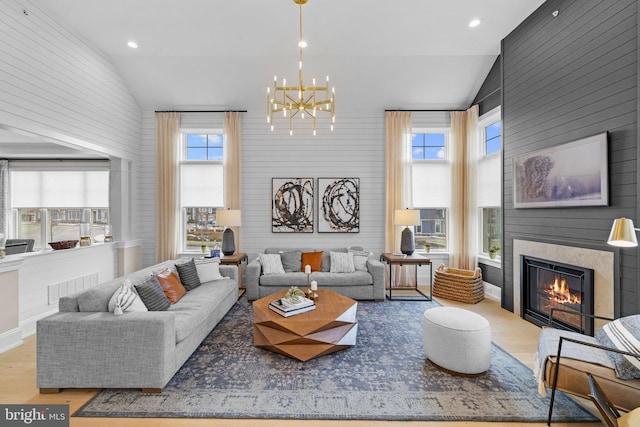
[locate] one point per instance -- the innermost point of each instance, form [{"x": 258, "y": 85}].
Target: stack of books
[{"x": 286, "y": 308}]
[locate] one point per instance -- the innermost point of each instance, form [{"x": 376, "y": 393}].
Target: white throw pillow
[
  {"x": 271, "y": 263},
  {"x": 342, "y": 262},
  {"x": 126, "y": 299},
  {"x": 208, "y": 269},
  {"x": 360, "y": 259}
]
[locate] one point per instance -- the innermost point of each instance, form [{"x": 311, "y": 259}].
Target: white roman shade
[
  {"x": 59, "y": 189},
  {"x": 201, "y": 185},
  {"x": 489, "y": 183},
  {"x": 431, "y": 184}
]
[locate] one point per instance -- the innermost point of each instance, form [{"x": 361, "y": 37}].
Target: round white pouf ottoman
[{"x": 457, "y": 340}]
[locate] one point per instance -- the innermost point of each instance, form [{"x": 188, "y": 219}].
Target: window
[
  {"x": 493, "y": 138},
  {"x": 53, "y": 225},
  {"x": 428, "y": 146},
  {"x": 201, "y": 188},
  {"x": 49, "y": 199},
  {"x": 432, "y": 230},
  {"x": 203, "y": 146},
  {"x": 491, "y": 230},
  {"x": 490, "y": 184}
]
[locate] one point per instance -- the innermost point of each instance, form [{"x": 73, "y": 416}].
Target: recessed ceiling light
[
  {"x": 132, "y": 44},
  {"x": 474, "y": 23}
]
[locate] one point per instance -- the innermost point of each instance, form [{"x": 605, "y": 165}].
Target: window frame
[
  {"x": 183, "y": 160},
  {"x": 433, "y": 131},
  {"x": 486, "y": 120}
]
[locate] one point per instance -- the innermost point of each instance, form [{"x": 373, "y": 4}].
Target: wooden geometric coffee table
[{"x": 331, "y": 327}]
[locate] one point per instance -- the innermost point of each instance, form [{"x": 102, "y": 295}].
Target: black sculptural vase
[
  {"x": 228, "y": 242},
  {"x": 407, "y": 245}
]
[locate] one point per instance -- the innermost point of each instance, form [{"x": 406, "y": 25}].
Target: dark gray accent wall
[
  {"x": 563, "y": 79},
  {"x": 491, "y": 274}
]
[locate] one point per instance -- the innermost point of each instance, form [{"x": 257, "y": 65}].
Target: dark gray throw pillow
[
  {"x": 152, "y": 295},
  {"x": 291, "y": 261},
  {"x": 188, "y": 274}
]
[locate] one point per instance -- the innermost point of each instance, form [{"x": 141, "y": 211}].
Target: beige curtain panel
[
  {"x": 463, "y": 238},
  {"x": 167, "y": 158},
  {"x": 399, "y": 186},
  {"x": 232, "y": 155}
]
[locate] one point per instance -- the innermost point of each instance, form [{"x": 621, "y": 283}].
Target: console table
[{"x": 417, "y": 261}]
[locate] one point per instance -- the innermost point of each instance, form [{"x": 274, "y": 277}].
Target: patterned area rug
[{"x": 384, "y": 377}]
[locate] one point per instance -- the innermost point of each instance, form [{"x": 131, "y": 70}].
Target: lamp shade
[
  {"x": 623, "y": 233},
  {"x": 228, "y": 217},
  {"x": 407, "y": 217}
]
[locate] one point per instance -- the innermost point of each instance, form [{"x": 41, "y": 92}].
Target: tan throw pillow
[
  {"x": 171, "y": 285},
  {"x": 314, "y": 259}
]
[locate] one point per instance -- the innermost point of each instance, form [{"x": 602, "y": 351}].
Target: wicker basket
[
  {"x": 458, "y": 285},
  {"x": 63, "y": 244}
]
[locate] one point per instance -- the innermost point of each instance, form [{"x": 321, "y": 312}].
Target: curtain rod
[
  {"x": 424, "y": 111},
  {"x": 201, "y": 111}
]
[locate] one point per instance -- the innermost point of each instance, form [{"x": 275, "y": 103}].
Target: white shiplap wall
[
  {"x": 54, "y": 84},
  {"x": 354, "y": 149}
]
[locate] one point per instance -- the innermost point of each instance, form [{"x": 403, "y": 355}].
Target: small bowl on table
[{"x": 63, "y": 244}]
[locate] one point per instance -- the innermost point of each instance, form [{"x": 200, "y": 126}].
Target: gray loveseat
[
  {"x": 86, "y": 346},
  {"x": 367, "y": 284}
]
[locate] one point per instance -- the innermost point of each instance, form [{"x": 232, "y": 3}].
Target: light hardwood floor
[{"x": 18, "y": 384}]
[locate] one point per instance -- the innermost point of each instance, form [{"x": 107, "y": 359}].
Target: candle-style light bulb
[
  {"x": 290, "y": 132},
  {"x": 314, "y": 132},
  {"x": 271, "y": 128}
]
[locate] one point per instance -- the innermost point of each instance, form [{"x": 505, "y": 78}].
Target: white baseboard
[
  {"x": 28, "y": 327},
  {"x": 492, "y": 291},
  {"x": 10, "y": 339}
]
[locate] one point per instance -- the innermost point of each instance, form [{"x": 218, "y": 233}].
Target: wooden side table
[
  {"x": 417, "y": 260},
  {"x": 235, "y": 259}
]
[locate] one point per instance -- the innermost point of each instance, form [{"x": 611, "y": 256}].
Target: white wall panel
[{"x": 54, "y": 84}]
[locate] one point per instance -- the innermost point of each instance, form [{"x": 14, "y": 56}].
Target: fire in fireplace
[{"x": 551, "y": 285}]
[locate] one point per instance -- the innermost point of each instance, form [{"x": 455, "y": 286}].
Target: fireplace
[{"x": 548, "y": 284}]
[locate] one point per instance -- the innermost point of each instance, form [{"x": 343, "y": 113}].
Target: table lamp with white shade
[
  {"x": 407, "y": 217},
  {"x": 228, "y": 218}
]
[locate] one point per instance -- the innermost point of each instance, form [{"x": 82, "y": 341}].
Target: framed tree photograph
[
  {"x": 338, "y": 205},
  {"x": 292, "y": 205},
  {"x": 571, "y": 174}
]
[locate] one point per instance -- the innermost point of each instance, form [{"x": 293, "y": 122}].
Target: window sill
[{"x": 497, "y": 263}]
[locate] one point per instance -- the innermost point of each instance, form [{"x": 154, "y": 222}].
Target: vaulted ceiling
[{"x": 380, "y": 54}]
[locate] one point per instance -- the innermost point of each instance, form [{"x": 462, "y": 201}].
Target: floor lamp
[
  {"x": 408, "y": 218},
  {"x": 228, "y": 218},
  {"x": 623, "y": 233}
]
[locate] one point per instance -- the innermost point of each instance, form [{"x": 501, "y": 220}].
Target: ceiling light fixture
[
  {"x": 132, "y": 44},
  {"x": 474, "y": 23},
  {"x": 300, "y": 99}
]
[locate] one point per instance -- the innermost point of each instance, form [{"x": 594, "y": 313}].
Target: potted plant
[
  {"x": 492, "y": 251},
  {"x": 427, "y": 247}
]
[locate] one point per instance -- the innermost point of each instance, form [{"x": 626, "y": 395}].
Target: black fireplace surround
[{"x": 548, "y": 284}]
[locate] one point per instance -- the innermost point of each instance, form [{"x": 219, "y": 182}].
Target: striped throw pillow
[
  {"x": 342, "y": 262},
  {"x": 623, "y": 334},
  {"x": 271, "y": 264},
  {"x": 188, "y": 275},
  {"x": 152, "y": 295}
]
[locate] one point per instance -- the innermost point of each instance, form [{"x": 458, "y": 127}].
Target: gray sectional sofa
[
  {"x": 86, "y": 346},
  {"x": 363, "y": 284}
]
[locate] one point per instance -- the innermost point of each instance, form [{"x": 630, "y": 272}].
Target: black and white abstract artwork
[
  {"x": 292, "y": 205},
  {"x": 339, "y": 205}
]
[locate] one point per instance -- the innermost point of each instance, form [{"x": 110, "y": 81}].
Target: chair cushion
[{"x": 631, "y": 419}]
